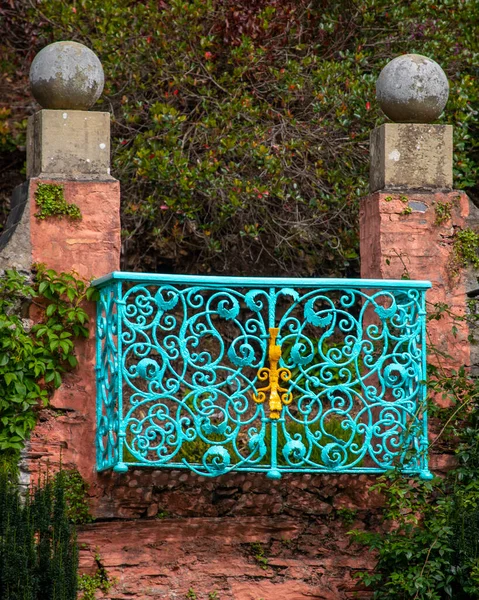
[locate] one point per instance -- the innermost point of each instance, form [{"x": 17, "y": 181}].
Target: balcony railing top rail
[
  {"x": 251, "y": 282},
  {"x": 261, "y": 374}
]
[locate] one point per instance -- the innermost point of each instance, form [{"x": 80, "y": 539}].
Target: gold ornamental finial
[{"x": 278, "y": 396}]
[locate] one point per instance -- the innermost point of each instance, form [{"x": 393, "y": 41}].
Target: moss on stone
[{"x": 50, "y": 199}]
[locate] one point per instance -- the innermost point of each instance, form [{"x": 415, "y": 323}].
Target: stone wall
[
  {"x": 163, "y": 532},
  {"x": 241, "y": 535}
]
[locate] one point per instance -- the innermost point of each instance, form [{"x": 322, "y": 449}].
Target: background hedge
[{"x": 240, "y": 129}]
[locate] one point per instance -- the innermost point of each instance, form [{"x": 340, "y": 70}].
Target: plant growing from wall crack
[
  {"x": 76, "y": 490},
  {"x": 466, "y": 248},
  {"x": 100, "y": 581},
  {"x": 50, "y": 199},
  {"x": 259, "y": 554}
]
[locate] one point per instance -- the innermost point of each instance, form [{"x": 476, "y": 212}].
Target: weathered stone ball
[
  {"x": 66, "y": 75},
  {"x": 412, "y": 89}
]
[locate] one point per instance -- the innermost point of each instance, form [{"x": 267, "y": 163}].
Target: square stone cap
[
  {"x": 69, "y": 144},
  {"x": 408, "y": 156}
]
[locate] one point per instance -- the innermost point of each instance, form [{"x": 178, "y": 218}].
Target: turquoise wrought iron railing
[{"x": 261, "y": 374}]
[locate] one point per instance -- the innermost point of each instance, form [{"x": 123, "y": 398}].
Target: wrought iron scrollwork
[{"x": 266, "y": 375}]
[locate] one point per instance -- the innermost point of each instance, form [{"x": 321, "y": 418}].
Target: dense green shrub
[
  {"x": 429, "y": 549},
  {"x": 241, "y": 128},
  {"x": 38, "y": 551}
]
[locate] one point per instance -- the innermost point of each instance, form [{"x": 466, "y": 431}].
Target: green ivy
[
  {"x": 51, "y": 202},
  {"x": 34, "y": 358}
]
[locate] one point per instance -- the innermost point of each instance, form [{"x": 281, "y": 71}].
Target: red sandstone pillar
[
  {"x": 409, "y": 225},
  {"x": 70, "y": 149}
]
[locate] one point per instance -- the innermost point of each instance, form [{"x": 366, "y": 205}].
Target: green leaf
[
  {"x": 9, "y": 377},
  {"x": 66, "y": 347},
  {"x": 20, "y": 388},
  {"x": 57, "y": 379},
  {"x": 73, "y": 362},
  {"x": 51, "y": 309}
]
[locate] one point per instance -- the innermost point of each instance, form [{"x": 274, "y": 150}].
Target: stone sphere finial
[
  {"x": 66, "y": 75},
  {"x": 412, "y": 89}
]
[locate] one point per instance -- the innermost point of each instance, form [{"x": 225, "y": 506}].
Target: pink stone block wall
[
  {"x": 395, "y": 242},
  {"x": 91, "y": 247}
]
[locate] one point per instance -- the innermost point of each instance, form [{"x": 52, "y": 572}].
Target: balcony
[{"x": 270, "y": 375}]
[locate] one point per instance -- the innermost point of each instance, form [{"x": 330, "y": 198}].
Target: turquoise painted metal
[{"x": 269, "y": 375}]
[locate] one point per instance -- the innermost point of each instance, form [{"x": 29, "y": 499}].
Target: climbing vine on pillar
[{"x": 35, "y": 356}]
